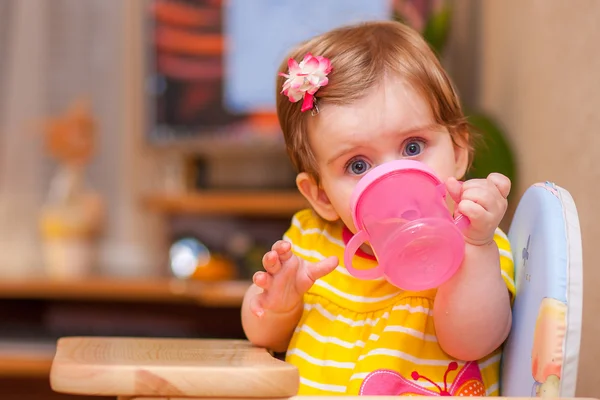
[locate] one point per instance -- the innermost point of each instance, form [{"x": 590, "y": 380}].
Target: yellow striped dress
[{"x": 369, "y": 337}]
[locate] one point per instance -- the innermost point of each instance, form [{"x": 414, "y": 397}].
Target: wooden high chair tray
[{"x": 114, "y": 366}]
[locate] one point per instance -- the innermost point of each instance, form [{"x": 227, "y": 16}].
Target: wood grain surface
[{"x": 169, "y": 367}]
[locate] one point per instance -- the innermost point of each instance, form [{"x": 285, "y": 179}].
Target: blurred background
[{"x": 143, "y": 174}]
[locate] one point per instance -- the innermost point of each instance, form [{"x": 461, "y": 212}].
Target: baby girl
[{"x": 347, "y": 101}]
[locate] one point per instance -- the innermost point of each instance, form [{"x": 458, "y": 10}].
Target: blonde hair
[{"x": 361, "y": 55}]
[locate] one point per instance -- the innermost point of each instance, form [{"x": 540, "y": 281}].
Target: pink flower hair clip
[{"x": 304, "y": 79}]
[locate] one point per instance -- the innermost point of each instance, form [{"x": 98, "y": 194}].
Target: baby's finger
[
  {"x": 471, "y": 210},
  {"x": 474, "y": 183},
  {"x": 454, "y": 189},
  {"x": 481, "y": 196},
  {"x": 263, "y": 280},
  {"x": 283, "y": 249},
  {"x": 314, "y": 271},
  {"x": 322, "y": 268},
  {"x": 256, "y": 306},
  {"x": 501, "y": 182},
  {"x": 271, "y": 262}
]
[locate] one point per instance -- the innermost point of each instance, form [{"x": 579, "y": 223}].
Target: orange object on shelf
[
  {"x": 71, "y": 137},
  {"x": 217, "y": 268}
]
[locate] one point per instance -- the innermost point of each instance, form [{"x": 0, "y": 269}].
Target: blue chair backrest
[{"x": 541, "y": 355}]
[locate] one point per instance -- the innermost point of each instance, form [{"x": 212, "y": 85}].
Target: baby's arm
[
  {"x": 472, "y": 311},
  {"x": 273, "y": 305}
]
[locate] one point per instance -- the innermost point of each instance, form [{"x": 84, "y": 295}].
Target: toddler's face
[{"x": 392, "y": 122}]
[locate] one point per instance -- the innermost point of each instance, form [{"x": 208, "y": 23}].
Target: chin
[{"x": 349, "y": 223}]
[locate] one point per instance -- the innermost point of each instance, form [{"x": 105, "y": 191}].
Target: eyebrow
[
  {"x": 343, "y": 153},
  {"x": 411, "y": 131}
]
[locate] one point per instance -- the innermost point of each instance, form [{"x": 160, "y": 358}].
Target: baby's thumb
[
  {"x": 321, "y": 268},
  {"x": 454, "y": 189}
]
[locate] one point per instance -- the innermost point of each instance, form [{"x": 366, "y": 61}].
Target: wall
[{"x": 539, "y": 75}]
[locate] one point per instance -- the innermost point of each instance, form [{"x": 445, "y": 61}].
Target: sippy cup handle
[
  {"x": 351, "y": 248},
  {"x": 460, "y": 220}
]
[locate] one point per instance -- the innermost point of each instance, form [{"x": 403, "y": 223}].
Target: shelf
[
  {"x": 32, "y": 357},
  {"x": 214, "y": 294},
  {"x": 257, "y": 203},
  {"x": 25, "y": 359}
]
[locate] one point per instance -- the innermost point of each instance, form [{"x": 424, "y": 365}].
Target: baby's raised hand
[
  {"x": 285, "y": 279},
  {"x": 484, "y": 202}
]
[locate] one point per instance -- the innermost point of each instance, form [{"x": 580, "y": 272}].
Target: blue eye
[
  {"x": 413, "y": 148},
  {"x": 357, "y": 167}
]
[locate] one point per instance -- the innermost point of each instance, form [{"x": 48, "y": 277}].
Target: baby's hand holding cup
[{"x": 484, "y": 202}]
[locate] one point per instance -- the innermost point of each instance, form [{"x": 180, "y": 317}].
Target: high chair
[{"x": 540, "y": 357}]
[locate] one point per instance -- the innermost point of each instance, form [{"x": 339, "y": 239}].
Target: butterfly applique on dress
[{"x": 468, "y": 382}]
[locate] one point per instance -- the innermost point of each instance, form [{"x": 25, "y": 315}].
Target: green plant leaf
[
  {"x": 494, "y": 153},
  {"x": 438, "y": 27}
]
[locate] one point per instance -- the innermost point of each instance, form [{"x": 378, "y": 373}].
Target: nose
[{"x": 390, "y": 156}]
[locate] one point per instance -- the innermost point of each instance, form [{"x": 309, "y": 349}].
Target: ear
[
  {"x": 461, "y": 159},
  {"x": 316, "y": 196}
]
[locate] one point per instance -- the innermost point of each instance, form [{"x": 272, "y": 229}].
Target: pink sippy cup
[{"x": 399, "y": 208}]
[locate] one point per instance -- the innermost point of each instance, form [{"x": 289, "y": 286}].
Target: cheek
[
  {"x": 442, "y": 168},
  {"x": 339, "y": 193},
  {"x": 340, "y": 198},
  {"x": 442, "y": 163}
]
